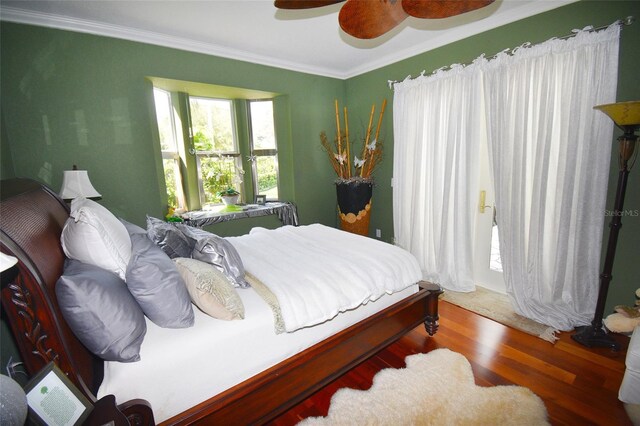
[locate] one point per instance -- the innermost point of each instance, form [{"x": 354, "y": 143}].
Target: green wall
[
  {"x": 70, "y": 98},
  {"x": 372, "y": 87},
  {"x": 6, "y": 164}
]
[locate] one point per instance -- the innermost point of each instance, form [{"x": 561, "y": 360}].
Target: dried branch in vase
[{"x": 339, "y": 151}]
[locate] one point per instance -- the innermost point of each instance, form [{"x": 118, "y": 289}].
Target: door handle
[{"x": 482, "y": 205}]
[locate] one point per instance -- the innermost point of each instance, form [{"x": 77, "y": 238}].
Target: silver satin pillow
[
  {"x": 218, "y": 252},
  {"x": 170, "y": 239}
]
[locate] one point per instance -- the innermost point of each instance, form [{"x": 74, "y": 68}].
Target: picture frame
[
  {"x": 261, "y": 199},
  {"x": 54, "y": 399}
]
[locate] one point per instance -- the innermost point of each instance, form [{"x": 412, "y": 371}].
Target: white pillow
[{"x": 95, "y": 236}]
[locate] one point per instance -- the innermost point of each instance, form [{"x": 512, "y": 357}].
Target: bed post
[{"x": 431, "y": 320}]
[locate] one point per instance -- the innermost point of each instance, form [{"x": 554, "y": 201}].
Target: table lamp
[
  {"x": 8, "y": 268},
  {"x": 76, "y": 183}
]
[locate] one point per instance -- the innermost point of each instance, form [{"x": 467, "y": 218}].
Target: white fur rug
[{"x": 436, "y": 388}]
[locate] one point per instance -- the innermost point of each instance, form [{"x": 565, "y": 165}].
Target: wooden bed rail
[{"x": 274, "y": 391}]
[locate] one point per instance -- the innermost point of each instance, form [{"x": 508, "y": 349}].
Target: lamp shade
[
  {"x": 8, "y": 272},
  {"x": 6, "y": 262},
  {"x": 622, "y": 113},
  {"x": 76, "y": 183}
]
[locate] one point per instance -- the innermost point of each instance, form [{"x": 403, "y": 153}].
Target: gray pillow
[
  {"x": 166, "y": 236},
  {"x": 156, "y": 285},
  {"x": 132, "y": 228},
  {"x": 101, "y": 312},
  {"x": 217, "y": 251}
]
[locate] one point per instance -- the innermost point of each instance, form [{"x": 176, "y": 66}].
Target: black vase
[{"x": 354, "y": 205}]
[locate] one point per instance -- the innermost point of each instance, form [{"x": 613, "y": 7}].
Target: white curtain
[
  {"x": 435, "y": 172},
  {"x": 550, "y": 154}
]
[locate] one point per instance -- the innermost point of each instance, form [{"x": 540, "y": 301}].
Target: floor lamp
[{"x": 626, "y": 115}]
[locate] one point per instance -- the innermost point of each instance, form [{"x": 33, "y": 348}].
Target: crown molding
[{"x": 21, "y": 16}]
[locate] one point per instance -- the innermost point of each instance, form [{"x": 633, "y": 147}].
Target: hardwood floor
[{"x": 578, "y": 385}]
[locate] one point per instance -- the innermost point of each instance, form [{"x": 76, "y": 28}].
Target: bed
[{"x": 32, "y": 220}]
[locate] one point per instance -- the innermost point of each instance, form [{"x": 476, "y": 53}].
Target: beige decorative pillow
[{"x": 210, "y": 290}]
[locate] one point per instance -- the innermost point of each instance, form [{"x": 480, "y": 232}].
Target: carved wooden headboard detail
[
  {"x": 34, "y": 239},
  {"x": 31, "y": 220}
]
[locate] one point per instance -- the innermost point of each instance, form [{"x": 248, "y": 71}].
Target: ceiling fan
[{"x": 368, "y": 19}]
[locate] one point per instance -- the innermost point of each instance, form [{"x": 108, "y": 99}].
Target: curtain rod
[{"x": 622, "y": 22}]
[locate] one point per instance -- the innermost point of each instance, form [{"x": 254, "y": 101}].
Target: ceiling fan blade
[
  {"x": 303, "y": 4},
  {"x": 370, "y": 18},
  {"x": 436, "y": 9}
]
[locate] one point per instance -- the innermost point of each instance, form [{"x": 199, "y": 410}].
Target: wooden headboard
[{"x": 31, "y": 220}]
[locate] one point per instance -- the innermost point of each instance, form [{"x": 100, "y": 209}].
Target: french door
[{"x": 487, "y": 268}]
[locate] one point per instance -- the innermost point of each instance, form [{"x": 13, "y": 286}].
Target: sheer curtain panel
[
  {"x": 437, "y": 122},
  {"x": 550, "y": 154}
]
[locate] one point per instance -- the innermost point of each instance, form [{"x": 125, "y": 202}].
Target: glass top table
[{"x": 286, "y": 212}]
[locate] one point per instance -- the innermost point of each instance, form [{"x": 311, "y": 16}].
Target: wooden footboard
[{"x": 274, "y": 391}]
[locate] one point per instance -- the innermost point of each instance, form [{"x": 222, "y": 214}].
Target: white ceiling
[{"x": 254, "y": 30}]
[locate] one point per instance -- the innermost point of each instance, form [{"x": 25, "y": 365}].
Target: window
[
  {"x": 213, "y": 140},
  {"x": 216, "y": 147},
  {"x": 169, "y": 148},
  {"x": 264, "y": 152}
]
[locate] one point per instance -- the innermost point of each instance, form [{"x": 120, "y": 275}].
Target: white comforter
[{"x": 316, "y": 271}]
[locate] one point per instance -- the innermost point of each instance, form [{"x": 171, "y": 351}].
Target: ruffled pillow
[{"x": 210, "y": 290}]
